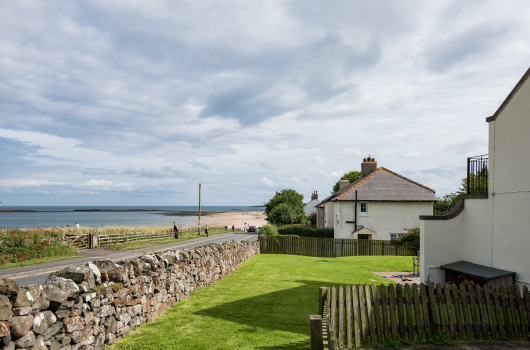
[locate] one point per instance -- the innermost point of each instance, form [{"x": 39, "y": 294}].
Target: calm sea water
[{"x": 62, "y": 216}]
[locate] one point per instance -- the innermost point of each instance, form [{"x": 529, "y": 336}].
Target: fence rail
[
  {"x": 364, "y": 315},
  {"x": 91, "y": 240},
  {"x": 331, "y": 247}
]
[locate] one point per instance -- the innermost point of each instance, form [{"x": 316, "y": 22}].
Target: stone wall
[{"x": 88, "y": 306}]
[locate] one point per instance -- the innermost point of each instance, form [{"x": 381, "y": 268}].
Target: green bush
[
  {"x": 306, "y": 231},
  {"x": 268, "y": 230}
]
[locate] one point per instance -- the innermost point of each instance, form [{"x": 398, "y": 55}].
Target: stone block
[{"x": 20, "y": 325}]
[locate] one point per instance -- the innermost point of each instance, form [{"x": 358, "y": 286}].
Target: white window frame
[
  {"x": 394, "y": 236},
  {"x": 365, "y": 212},
  {"x": 337, "y": 220}
]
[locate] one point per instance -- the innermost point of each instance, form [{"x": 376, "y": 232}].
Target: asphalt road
[{"x": 28, "y": 275}]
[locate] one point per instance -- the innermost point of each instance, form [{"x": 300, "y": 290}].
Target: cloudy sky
[{"x": 129, "y": 102}]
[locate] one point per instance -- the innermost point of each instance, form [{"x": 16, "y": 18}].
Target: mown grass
[
  {"x": 151, "y": 243},
  {"x": 264, "y": 305}
]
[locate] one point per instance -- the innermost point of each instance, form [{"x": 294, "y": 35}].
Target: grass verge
[
  {"x": 265, "y": 304},
  {"x": 40, "y": 261},
  {"x": 151, "y": 243}
]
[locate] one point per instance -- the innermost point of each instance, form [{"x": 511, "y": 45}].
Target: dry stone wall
[{"x": 89, "y": 306}]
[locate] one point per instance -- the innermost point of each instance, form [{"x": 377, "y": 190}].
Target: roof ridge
[{"x": 406, "y": 178}]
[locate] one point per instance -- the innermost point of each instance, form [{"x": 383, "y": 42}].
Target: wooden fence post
[{"x": 317, "y": 340}]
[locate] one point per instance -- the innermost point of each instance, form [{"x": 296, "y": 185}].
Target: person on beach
[
  {"x": 76, "y": 225},
  {"x": 176, "y": 230},
  {"x": 206, "y": 230},
  {"x": 233, "y": 228}
]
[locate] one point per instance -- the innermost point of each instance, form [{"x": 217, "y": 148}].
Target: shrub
[
  {"x": 412, "y": 237},
  {"x": 268, "y": 230},
  {"x": 306, "y": 231}
]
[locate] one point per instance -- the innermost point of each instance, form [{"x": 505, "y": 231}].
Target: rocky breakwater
[{"x": 88, "y": 306}]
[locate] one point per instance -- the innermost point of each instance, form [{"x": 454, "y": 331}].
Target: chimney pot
[{"x": 368, "y": 166}]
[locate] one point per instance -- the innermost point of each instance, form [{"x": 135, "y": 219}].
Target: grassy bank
[
  {"x": 151, "y": 243},
  {"x": 264, "y": 305}
]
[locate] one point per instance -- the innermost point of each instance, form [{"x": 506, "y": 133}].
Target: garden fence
[
  {"x": 331, "y": 247},
  {"x": 366, "y": 315}
]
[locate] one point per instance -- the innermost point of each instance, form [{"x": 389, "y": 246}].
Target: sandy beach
[{"x": 238, "y": 219}]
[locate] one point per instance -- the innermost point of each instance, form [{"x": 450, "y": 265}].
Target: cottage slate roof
[{"x": 384, "y": 185}]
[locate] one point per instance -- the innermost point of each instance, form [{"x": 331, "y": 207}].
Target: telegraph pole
[{"x": 199, "y": 208}]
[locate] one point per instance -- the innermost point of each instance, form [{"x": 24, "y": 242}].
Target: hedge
[{"x": 305, "y": 231}]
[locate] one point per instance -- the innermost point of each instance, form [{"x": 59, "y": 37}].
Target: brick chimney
[
  {"x": 314, "y": 195},
  {"x": 368, "y": 166},
  {"x": 343, "y": 183}
]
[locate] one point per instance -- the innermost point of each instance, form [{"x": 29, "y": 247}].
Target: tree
[
  {"x": 282, "y": 214},
  {"x": 312, "y": 218},
  {"x": 351, "y": 176},
  {"x": 479, "y": 185},
  {"x": 444, "y": 204},
  {"x": 290, "y": 213}
]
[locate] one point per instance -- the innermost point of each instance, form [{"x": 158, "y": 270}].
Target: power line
[{"x": 236, "y": 193}]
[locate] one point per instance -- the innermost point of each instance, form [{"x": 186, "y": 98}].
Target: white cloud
[
  {"x": 142, "y": 97},
  {"x": 266, "y": 182},
  {"x": 319, "y": 160}
]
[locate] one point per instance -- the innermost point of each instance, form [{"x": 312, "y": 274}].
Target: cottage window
[
  {"x": 364, "y": 209},
  {"x": 394, "y": 236}
]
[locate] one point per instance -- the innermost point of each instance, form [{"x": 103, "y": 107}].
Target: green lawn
[{"x": 264, "y": 305}]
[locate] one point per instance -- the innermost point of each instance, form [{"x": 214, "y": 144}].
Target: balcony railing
[{"x": 477, "y": 175}]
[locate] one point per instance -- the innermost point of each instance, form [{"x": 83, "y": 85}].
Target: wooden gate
[{"x": 78, "y": 241}]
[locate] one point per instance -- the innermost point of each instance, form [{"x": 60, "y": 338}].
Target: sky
[{"x": 130, "y": 102}]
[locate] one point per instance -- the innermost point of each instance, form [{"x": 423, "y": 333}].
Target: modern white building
[
  {"x": 490, "y": 229},
  {"x": 380, "y": 205}
]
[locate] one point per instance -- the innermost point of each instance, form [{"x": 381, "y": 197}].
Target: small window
[
  {"x": 394, "y": 236},
  {"x": 364, "y": 208},
  {"x": 337, "y": 219}
]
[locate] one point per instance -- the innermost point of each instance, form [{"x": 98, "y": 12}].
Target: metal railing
[{"x": 477, "y": 175}]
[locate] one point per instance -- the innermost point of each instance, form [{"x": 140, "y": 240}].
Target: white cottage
[
  {"x": 379, "y": 205},
  {"x": 489, "y": 229},
  {"x": 310, "y": 207}
]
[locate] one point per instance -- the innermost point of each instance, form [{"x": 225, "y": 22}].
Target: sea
[{"x": 96, "y": 216}]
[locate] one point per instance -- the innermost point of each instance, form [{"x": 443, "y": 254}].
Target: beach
[{"x": 238, "y": 219}]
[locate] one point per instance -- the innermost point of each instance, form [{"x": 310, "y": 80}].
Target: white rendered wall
[
  {"x": 495, "y": 231},
  {"x": 510, "y": 186},
  {"x": 461, "y": 238},
  {"x": 310, "y": 207},
  {"x": 383, "y": 217}
]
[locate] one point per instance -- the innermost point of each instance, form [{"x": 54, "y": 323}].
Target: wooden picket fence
[
  {"x": 366, "y": 315},
  {"x": 331, "y": 247}
]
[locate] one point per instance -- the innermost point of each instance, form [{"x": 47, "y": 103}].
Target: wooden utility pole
[{"x": 199, "y": 208}]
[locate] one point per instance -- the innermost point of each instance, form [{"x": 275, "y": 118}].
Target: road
[{"x": 28, "y": 275}]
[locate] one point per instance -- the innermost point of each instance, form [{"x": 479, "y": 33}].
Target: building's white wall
[
  {"x": 511, "y": 144},
  {"x": 511, "y": 237},
  {"x": 383, "y": 217},
  {"x": 442, "y": 245},
  {"x": 494, "y": 231},
  {"x": 328, "y": 215},
  {"x": 336, "y": 218},
  {"x": 310, "y": 207}
]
